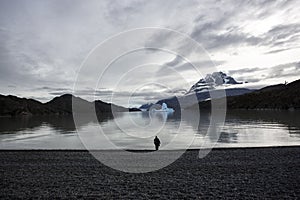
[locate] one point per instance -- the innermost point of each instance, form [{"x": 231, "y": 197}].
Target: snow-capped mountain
[
  {"x": 211, "y": 81},
  {"x": 201, "y": 90}
]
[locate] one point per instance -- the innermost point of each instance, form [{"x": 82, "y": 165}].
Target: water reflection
[
  {"x": 61, "y": 124},
  {"x": 227, "y": 137},
  {"x": 288, "y": 119},
  {"x": 136, "y": 130}
]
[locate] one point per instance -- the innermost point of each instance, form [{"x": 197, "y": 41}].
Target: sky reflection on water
[{"x": 137, "y": 130}]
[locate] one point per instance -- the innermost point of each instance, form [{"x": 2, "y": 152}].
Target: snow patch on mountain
[{"x": 212, "y": 81}]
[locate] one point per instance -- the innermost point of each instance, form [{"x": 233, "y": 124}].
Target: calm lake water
[{"x": 137, "y": 130}]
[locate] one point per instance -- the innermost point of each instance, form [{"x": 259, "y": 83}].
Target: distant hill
[
  {"x": 272, "y": 97},
  {"x": 62, "y": 105},
  {"x": 13, "y": 106}
]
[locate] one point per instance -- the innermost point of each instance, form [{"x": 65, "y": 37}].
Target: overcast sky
[{"x": 43, "y": 44}]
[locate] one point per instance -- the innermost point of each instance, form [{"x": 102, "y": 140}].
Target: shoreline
[{"x": 149, "y": 150}]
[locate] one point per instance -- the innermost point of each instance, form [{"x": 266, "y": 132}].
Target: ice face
[{"x": 164, "y": 106}]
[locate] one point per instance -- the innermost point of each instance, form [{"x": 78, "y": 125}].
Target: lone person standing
[{"x": 156, "y": 143}]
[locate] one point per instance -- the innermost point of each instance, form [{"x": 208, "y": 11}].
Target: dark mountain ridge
[
  {"x": 281, "y": 97},
  {"x": 62, "y": 105},
  {"x": 185, "y": 101}
]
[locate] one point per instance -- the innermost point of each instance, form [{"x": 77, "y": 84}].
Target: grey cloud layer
[
  {"x": 43, "y": 43},
  {"x": 258, "y": 73}
]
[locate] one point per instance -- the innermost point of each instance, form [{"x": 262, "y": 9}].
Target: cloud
[
  {"x": 244, "y": 70},
  {"x": 51, "y": 89},
  {"x": 43, "y": 43},
  {"x": 284, "y": 70},
  {"x": 225, "y": 30},
  {"x": 286, "y": 35},
  {"x": 281, "y": 50},
  {"x": 278, "y": 72},
  {"x": 175, "y": 61}
]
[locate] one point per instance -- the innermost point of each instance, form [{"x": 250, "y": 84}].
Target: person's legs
[{"x": 156, "y": 147}]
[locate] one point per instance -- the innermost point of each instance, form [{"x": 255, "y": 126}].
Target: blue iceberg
[{"x": 164, "y": 108}]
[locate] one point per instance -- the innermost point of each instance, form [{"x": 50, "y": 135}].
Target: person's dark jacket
[{"x": 156, "y": 141}]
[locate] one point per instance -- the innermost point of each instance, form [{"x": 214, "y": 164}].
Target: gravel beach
[{"x": 224, "y": 173}]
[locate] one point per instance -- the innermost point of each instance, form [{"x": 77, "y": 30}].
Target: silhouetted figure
[{"x": 156, "y": 143}]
